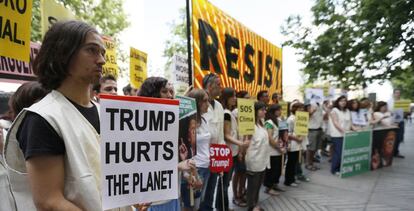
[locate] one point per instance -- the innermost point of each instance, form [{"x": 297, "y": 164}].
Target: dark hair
[
  {"x": 127, "y": 89},
  {"x": 60, "y": 44},
  {"x": 257, "y": 106},
  {"x": 152, "y": 87},
  {"x": 241, "y": 94},
  {"x": 270, "y": 114},
  {"x": 25, "y": 96},
  {"x": 350, "y": 102},
  {"x": 260, "y": 94},
  {"x": 295, "y": 107},
  {"x": 97, "y": 87},
  {"x": 379, "y": 105},
  {"x": 198, "y": 95},
  {"x": 208, "y": 79},
  {"x": 227, "y": 93},
  {"x": 275, "y": 95},
  {"x": 336, "y": 103}
]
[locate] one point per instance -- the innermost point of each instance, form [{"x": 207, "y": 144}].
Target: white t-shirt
[
  {"x": 215, "y": 120},
  {"x": 269, "y": 124},
  {"x": 316, "y": 119},
  {"x": 257, "y": 154},
  {"x": 202, "y": 157},
  {"x": 344, "y": 119},
  {"x": 294, "y": 145},
  {"x": 234, "y": 132},
  {"x": 386, "y": 122}
]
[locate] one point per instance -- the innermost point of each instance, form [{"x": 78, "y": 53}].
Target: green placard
[
  {"x": 356, "y": 153},
  {"x": 187, "y": 106}
]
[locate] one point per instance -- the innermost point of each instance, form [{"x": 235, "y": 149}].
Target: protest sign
[
  {"x": 137, "y": 67},
  {"x": 110, "y": 67},
  {"x": 188, "y": 126},
  {"x": 246, "y": 120},
  {"x": 402, "y": 104},
  {"x": 242, "y": 59},
  {"x": 221, "y": 159},
  {"x": 356, "y": 153},
  {"x": 12, "y": 70},
  {"x": 383, "y": 141},
  {"x": 359, "y": 118},
  {"x": 285, "y": 107},
  {"x": 314, "y": 95},
  {"x": 15, "y": 26},
  {"x": 180, "y": 73},
  {"x": 301, "y": 123},
  {"x": 372, "y": 97},
  {"x": 139, "y": 150},
  {"x": 51, "y": 12}
]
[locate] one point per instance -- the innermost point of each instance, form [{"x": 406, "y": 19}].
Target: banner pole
[
  {"x": 222, "y": 190},
  {"x": 283, "y": 164},
  {"x": 189, "y": 52}
]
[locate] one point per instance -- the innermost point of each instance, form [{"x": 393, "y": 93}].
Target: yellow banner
[
  {"x": 245, "y": 117},
  {"x": 110, "y": 67},
  {"x": 284, "y": 106},
  {"x": 15, "y": 26},
  {"x": 52, "y": 12},
  {"x": 242, "y": 59},
  {"x": 301, "y": 124},
  {"x": 402, "y": 104},
  {"x": 137, "y": 67}
]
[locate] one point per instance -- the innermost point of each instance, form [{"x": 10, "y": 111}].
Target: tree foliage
[
  {"x": 106, "y": 15},
  {"x": 355, "y": 42},
  {"x": 177, "y": 44}
]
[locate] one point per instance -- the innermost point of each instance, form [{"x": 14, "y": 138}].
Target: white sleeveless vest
[
  {"x": 234, "y": 132},
  {"x": 81, "y": 160}
]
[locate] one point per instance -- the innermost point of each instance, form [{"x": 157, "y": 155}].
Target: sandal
[
  {"x": 311, "y": 168},
  {"x": 239, "y": 203}
]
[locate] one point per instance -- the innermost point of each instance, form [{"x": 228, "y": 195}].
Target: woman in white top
[
  {"x": 382, "y": 117},
  {"x": 276, "y": 149},
  {"x": 202, "y": 157},
  {"x": 257, "y": 157},
  {"x": 339, "y": 123},
  {"x": 295, "y": 146}
]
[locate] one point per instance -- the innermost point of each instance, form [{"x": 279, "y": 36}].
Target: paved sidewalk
[{"x": 390, "y": 188}]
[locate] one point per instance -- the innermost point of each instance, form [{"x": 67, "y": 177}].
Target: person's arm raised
[{"x": 47, "y": 176}]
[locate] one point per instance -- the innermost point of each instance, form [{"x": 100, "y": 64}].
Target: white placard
[
  {"x": 314, "y": 95},
  {"x": 139, "y": 150},
  {"x": 180, "y": 75},
  {"x": 358, "y": 118}
]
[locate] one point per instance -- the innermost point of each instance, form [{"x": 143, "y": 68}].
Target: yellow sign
[
  {"x": 402, "y": 104},
  {"x": 242, "y": 59},
  {"x": 284, "y": 106},
  {"x": 110, "y": 67},
  {"x": 301, "y": 124},
  {"x": 245, "y": 119},
  {"x": 137, "y": 67},
  {"x": 52, "y": 12},
  {"x": 15, "y": 26}
]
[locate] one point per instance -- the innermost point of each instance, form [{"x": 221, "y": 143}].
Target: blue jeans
[
  {"x": 207, "y": 203},
  {"x": 337, "y": 154},
  {"x": 400, "y": 138}
]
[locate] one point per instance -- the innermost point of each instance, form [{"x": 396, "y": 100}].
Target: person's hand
[
  {"x": 142, "y": 206},
  {"x": 187, "y": 165},
  {"x": 183, "y": 151}
]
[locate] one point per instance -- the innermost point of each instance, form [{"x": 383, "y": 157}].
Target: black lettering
[
  {"x": 157, "y": 180},
  {"x": 124, "y": 153},
  {"x": 126, "y": 117},
  {"x": 231, "y": 58},
  {"x": 135, "y": 181},
  {"x": 15, "y": 40},
  {"x": 112, "y": 112},
  {"x": 248, "y": 52},
  {"x": 11, "y": 4},
  {"x": 51, "y": 20},
  {"x": 155, "y": 121},
  {"x": 149, "y": 181},
  {"x": 157, "y": 144},
  {"x": 12, "y": 64},
  {"x": 208, "y": 50},
  {"x": 278, "y": 65},
  {"x": 20, "y": 9},
  {"x": 144, "y": 120},
  {"x": 169, "y": 119},
  {"x": 125, "y": 183},
  {"x": 143, "y": 149},
  {"x": 168, "y": 146},
  {"x": 117, "y": 184},
  {"x": 109, "y": 179},
  {"x": 7, "y": 30},
  {"x": 109, "y": 152},
  {"x": 268, "y": 78},
  {"x": 260, "y": 69}
]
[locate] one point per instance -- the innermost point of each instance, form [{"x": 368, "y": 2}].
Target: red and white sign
[{"x": 221, "y": 159}]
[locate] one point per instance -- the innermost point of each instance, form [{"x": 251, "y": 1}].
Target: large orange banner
[{"x": 242, "y": 59}]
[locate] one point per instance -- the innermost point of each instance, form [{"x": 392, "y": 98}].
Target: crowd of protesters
[{"x": 46, "y": 148}]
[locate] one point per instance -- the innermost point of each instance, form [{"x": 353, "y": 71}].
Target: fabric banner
[
  {"x": 383, "y": 141},
  {"x": 301, "y": 123},
  {"x": 12, "y": 70},
  {"x": 356, "y": 153},
  {"x": 139, "y": 150},
  {"x": 15, "y": 26},
  {"x": 111, "y": 66},
  {"x": 137, "y": 67},
  {"x": 180, "y": 77},
  {"x": 242, "y": 59},
  {"x": 188, "y": 125},
  {"x": 51, "y": 12},
  {"x": 245, "y": 119}
]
